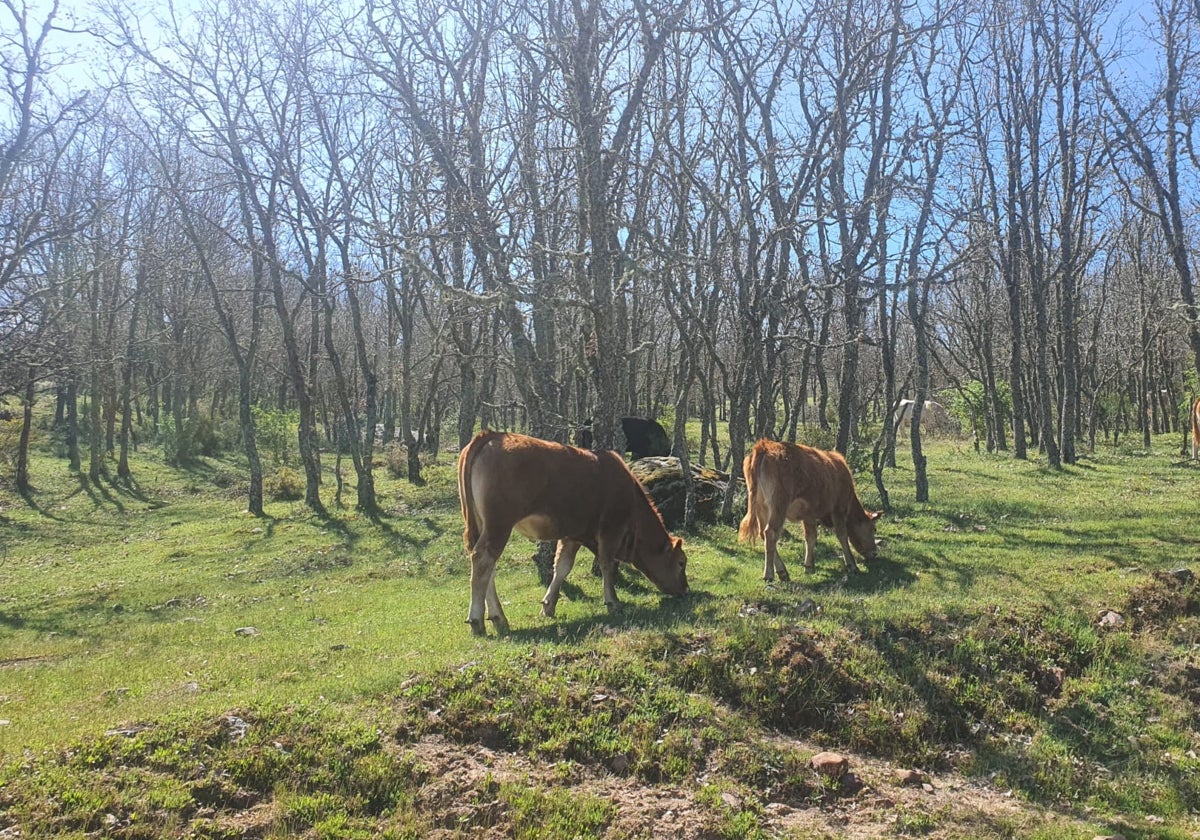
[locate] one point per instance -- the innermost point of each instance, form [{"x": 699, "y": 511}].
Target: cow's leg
[
  {"x": 810, "y": 545},
  {"x": 607, "y": 561},
  {"x": 771, "y": 533},
  {"x": 564, "y": 561},
  {"x": 494, "y": 610},
  {"x": 483, "y": 585},
  {"x": 839, "y": 528}
]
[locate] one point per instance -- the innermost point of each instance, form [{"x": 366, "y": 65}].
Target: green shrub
[
  {"x": 285, "y": 485},
  {"x": 817, "y": 437},
  {"x": 10, "y": 436},
  {"x": 275, "y": 430},
  {"x": 204, "y": 439},
  {"x": 395, "y": 456}
]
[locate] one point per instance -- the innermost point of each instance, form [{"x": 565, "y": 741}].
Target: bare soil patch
[{"x": 947, "y": 806}]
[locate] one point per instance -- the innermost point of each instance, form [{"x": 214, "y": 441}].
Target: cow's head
[
  {"x": 667, "y": 569},
  {"x": 862, "y": 533}
]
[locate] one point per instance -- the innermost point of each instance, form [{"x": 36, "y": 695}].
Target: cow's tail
[
  {"x": 465, "y": 497},
  {"x": 750, "y": 528}
]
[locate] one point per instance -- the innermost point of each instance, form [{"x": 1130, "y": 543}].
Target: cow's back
[
  {"x": 547, "y": 490},
  {"x": 813, "y": 483}
]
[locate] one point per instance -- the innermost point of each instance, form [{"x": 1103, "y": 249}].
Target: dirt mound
[
  {"x": 459, "y": 777},
  {"x": 1164, "y": 599}
]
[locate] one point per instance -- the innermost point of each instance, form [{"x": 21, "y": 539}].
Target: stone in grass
[
  {"x": 246, "y": 631},
  {"x": 850, "y": 784},
  {"x": 830, "y": 765},
  {"x": 910, "y": 777}
]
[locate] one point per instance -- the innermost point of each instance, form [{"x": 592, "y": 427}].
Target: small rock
[
  {"x": 1183, "y": 575},
  {"x": 910, "y": 777},
  {"x": 256, "y": 530},
  {"x": 246, "y": 631},
  {"x": 235, "y": 727},
  {"x": 4, "y": 722},
  {"x": 1110, "y": 620},
  {"x": 1109, "y": 837},
  {"x": 127, "y": 732},
  {"x": 830, "y": 764},
  {"x": 174, "y": 602},
  {"x": 191, "y": 687},
  {"x": 338, "y": 646},
  {"x": 850, "y": 784},
  {"x": 731, "y": 800},
  {"x": 778, "y": 809},
  {"x": 619, "y": 763},
  {"x": 808, "y": 606},
  {"x": 928, "y": 788},
  {"x": 1051, "y": 680}
]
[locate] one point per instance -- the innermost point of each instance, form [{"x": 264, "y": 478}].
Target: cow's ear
[
  {"x": 676, "y": 543},
  {"x": 874, "y": 514}
]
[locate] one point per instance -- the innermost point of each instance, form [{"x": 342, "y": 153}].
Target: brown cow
[
  {"x": 1195, "y": 428},
  {"x": 548, "y": 491},
  {"x": 787, "y": 481}
]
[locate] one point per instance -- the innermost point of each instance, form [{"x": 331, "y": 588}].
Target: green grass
[{"x": 970, "y": 645}]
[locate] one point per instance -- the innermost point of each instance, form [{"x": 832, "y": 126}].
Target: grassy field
[{"x": 170, "y": 666}]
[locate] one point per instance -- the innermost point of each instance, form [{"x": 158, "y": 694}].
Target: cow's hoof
[
  {"x": 477, "y": 628},
  {"x": 612, "y": 606},
  {"x": 548, "y": 609},
  {"x": 500, "y": 623},
  {"x": 784, "y": 577}
]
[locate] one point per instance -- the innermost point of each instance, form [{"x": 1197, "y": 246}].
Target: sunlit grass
[{"x": 123, "y": 605}]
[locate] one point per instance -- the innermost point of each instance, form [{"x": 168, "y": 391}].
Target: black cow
[{"x": 643, "y": 438}]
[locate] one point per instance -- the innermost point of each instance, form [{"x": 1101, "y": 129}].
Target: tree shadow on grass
[
  {"x": 401, "y": 539},
  {"x": 73, "y": 620},
  {"x": 108, "y": 492},
  {"x": 100, "y": 493},
  {"x": 30, "y": 497}
]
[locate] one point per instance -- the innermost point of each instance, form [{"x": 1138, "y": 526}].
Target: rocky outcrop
[{"x": 663, "y": 480}]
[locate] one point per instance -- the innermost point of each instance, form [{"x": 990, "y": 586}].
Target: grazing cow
[
  {"x": 1195, "y": 428},
  {"x": 787, "y": 481},
  {"x": 548, "y": 491},
  {"x": 934, "y": 417},
  {"x": 643, "y": 438}
]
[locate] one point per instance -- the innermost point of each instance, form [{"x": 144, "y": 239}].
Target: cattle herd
[{"x": 549, "y": 491}]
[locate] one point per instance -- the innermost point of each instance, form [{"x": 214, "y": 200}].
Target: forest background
[{"x": 224, "y": 221}]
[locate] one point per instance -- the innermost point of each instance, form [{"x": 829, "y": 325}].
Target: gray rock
[{"x": 663, "y": 479}]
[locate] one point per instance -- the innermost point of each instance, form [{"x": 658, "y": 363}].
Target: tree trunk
[{"x": 22, "y": 474}]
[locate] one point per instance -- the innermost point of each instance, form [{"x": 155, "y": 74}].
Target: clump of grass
[
  {"x": 536, "y": 815},
  {"x": 284, "y": 485},
  {"x": 324, "y": 772}
]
